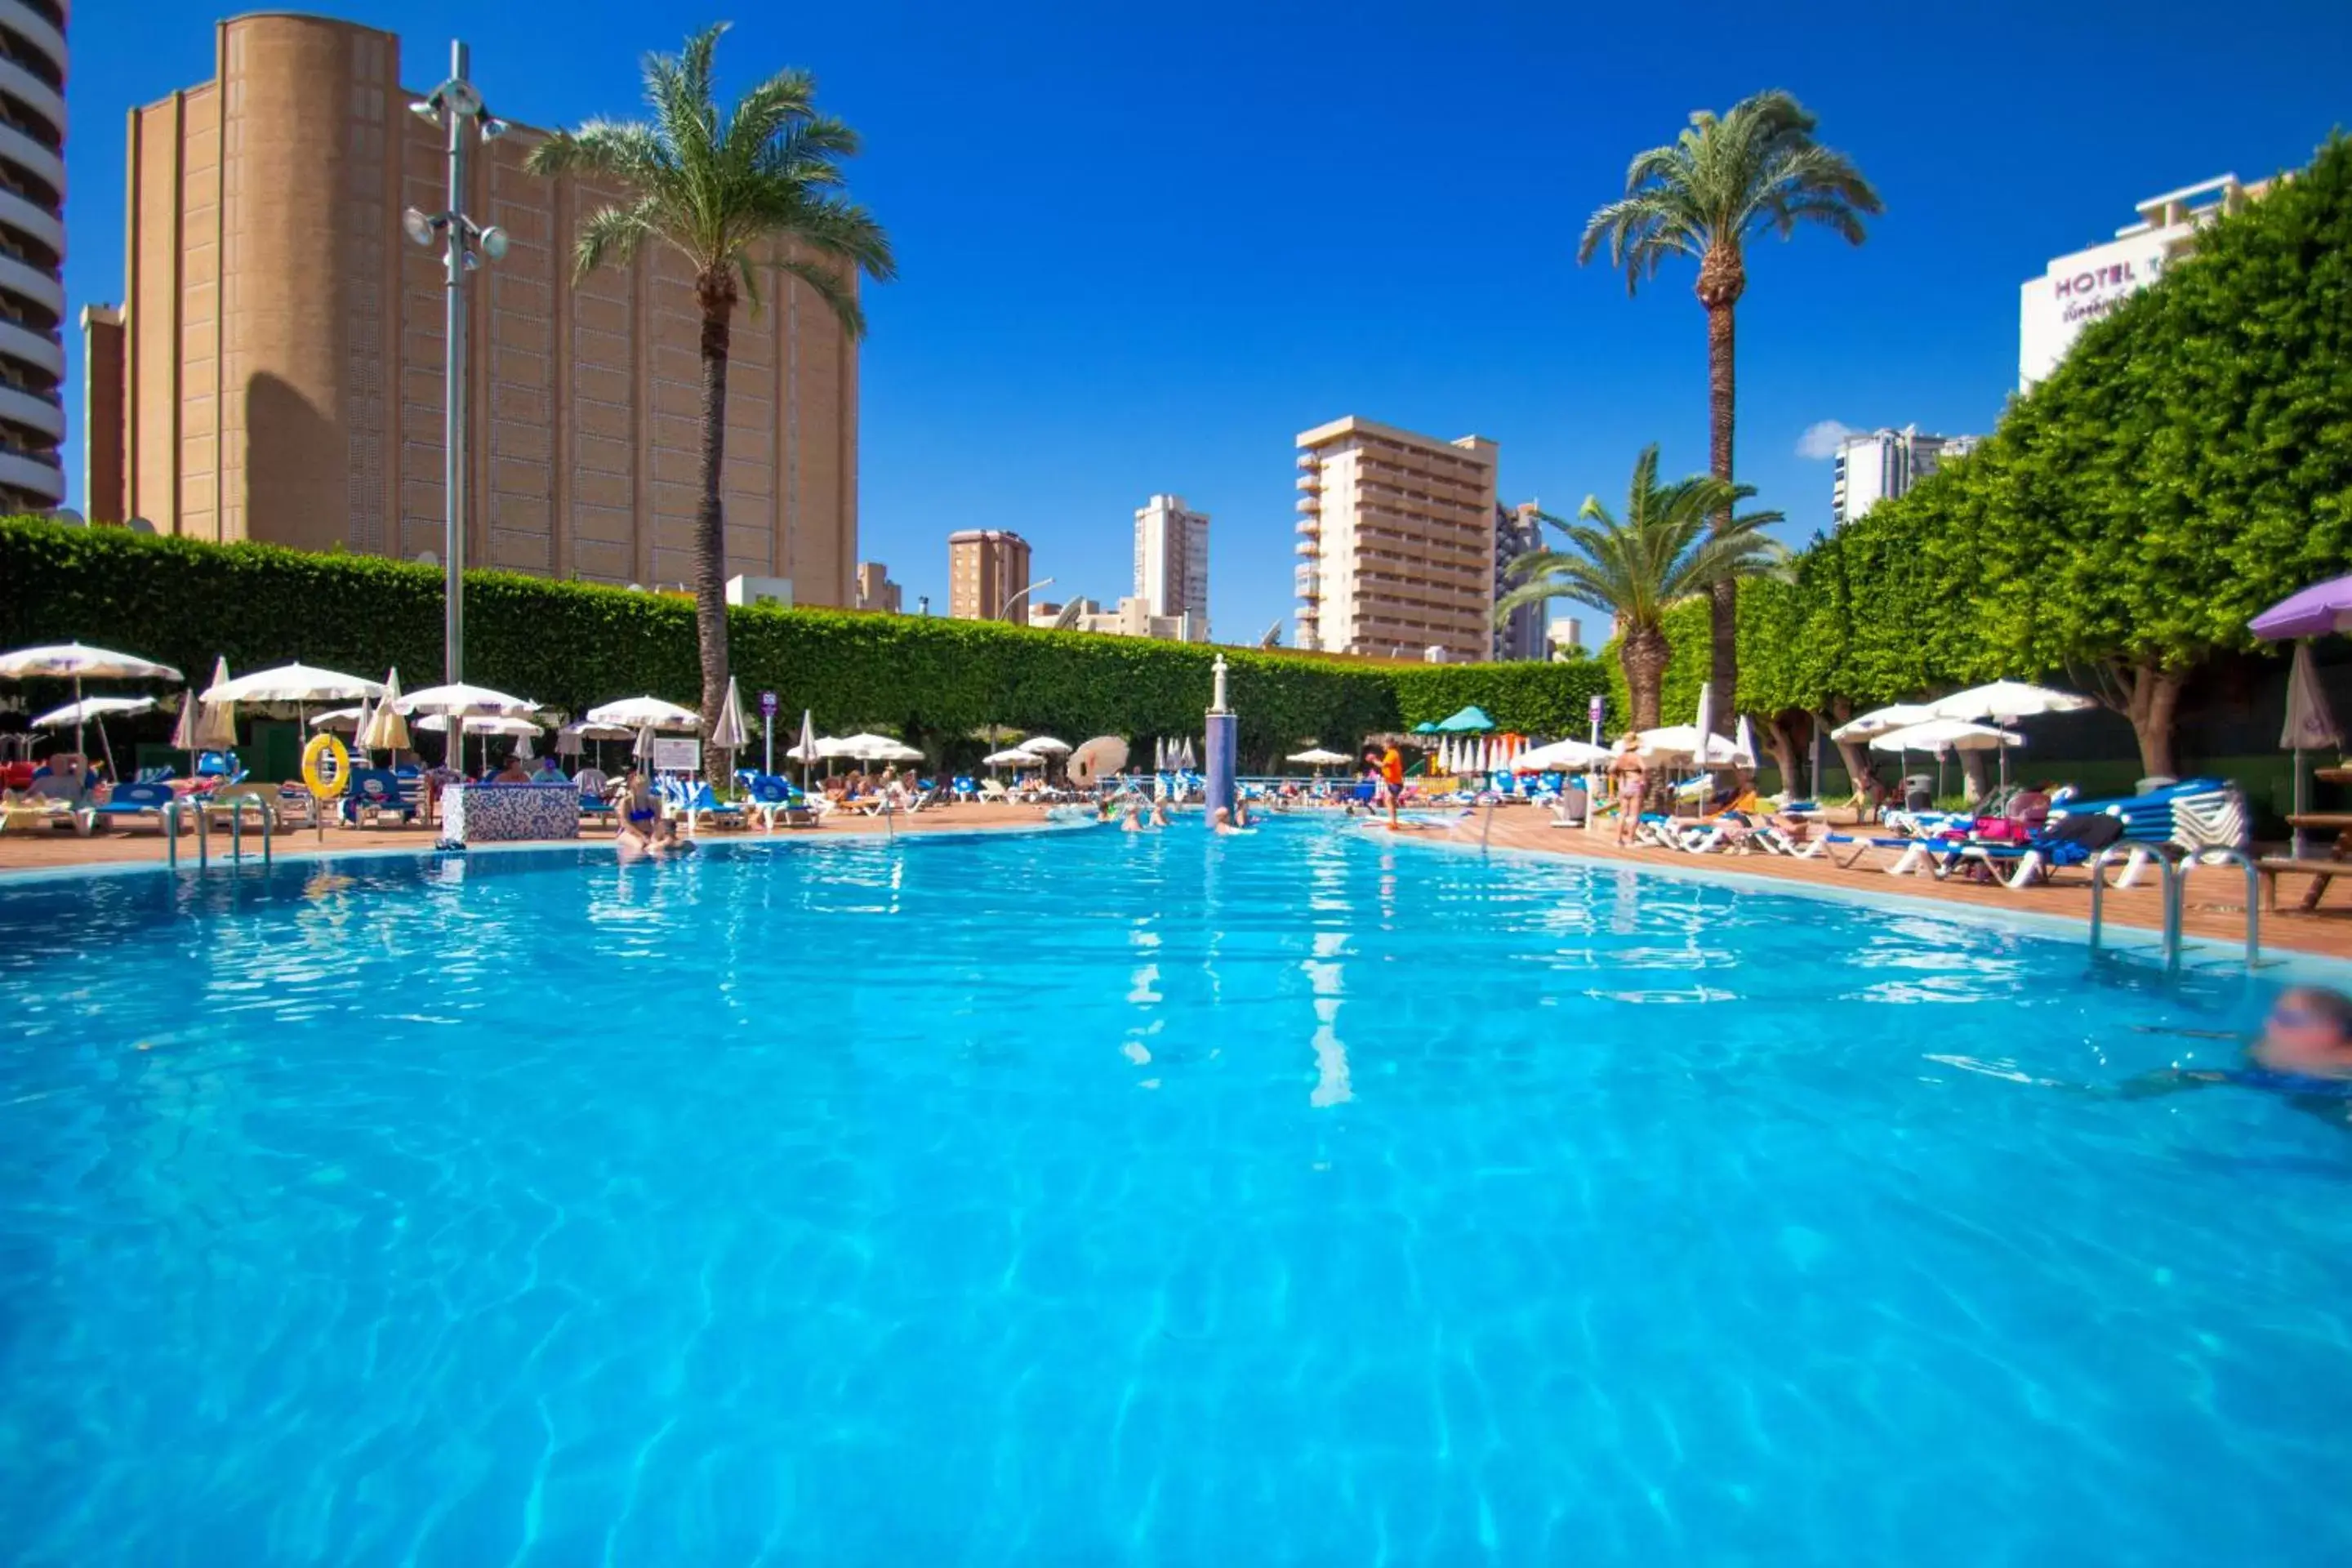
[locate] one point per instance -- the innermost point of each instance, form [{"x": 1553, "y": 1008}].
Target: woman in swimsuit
[
  {"x": 639, "y": 814},
  {"x": 1632, "y": 779},
  {"x": 2303, "y": 1054}
]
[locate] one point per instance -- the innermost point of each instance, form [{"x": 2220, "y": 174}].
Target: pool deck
[
  {"x": 51, "y": 849},
  {"x": 2214, "y": 909}
]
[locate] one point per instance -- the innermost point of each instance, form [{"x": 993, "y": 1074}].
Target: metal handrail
[
  {"x": 236, "y": 827},
  {"x": 2166, "y": 868},
  {"x": 2224, "y": 854},
  {"x": 1487, "y": 826}
]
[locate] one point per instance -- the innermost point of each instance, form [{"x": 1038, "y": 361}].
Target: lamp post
[
  {"x": 1041, "y": 582},
  {"x": 456, "y": 106}
]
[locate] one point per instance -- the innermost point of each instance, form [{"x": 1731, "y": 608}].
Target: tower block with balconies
[{"x": 1396, "y": 543}]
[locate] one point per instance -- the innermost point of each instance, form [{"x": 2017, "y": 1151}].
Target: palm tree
[
  {"x": 758, "y": 188},
  {"x": 1755, "y": 168},
  {"x": 1665, "y": 548}
]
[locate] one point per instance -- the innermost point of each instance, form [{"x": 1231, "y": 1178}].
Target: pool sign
[{"x": 768, "y": 703}]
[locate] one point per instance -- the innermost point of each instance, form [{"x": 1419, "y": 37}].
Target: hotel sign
[{"x": 2052, "y": 309}]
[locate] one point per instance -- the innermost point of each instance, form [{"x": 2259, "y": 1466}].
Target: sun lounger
[
  {"x": 2073, "y": 841},
  {"x": 24, "y": 813},
  {"x": 374, "y": 796},
  {"x": 136, "y": 800}
]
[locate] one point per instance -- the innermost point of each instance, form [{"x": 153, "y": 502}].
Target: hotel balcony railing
[
  {"x": 1310, "y": 526},
  {"x": 1309, "y": 503},
  {"x": 1310, "y": 481},
  {"x": 1309, "y": 460},
  {"x": 1306, "y": 547}
]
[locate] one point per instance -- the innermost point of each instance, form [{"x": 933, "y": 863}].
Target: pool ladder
[
  {"x": 237, "y": 809},
  {"x": 2173, "y": 867}
]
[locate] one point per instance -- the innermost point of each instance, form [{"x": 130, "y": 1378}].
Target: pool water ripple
[{"x": 1090, "y": 1198}]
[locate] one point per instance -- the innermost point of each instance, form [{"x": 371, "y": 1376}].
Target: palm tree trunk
[
  {"x": 1723, "y": 618},
  {"x": 717, "y": 294},
  {"x": 1643, "y": 654}
]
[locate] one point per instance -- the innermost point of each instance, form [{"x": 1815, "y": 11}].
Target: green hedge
[{"x": 572, "y": 645}]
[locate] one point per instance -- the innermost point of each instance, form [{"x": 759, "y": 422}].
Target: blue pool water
[{"x": 1083, "y": 1198}]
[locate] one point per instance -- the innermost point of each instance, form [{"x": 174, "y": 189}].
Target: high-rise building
[
  {"x": 32, "y": 253},
  {"x": 2076, "y": 290},
  {"x": 283, "y": 345},
  {"x": 1518, "y": 530},
  {"x": 987, "y": 567},
  {"x": 1172, "y": 559},
  {"x": 1880, "y": 465},
  {"x": 873, "y": 589},
  {"x": 1396, "y": 541}
]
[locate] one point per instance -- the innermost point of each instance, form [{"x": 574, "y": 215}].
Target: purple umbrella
[{"x": 2313, "y": 612}]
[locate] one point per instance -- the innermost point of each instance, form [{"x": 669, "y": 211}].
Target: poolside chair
[
  {"x": 160, "y": 774},
  {"x": 775, "y": 800},
  {"x": 2187, "y": 818},
  {"x": 221, "y": 804},
  {"x": 991, "y": 790},
  {"x": 135, "y": 800},
  {"x": 24, "y": 810},
  {"x": 701, "y": 801},
  {"x": 374, "y": 796},
  {"x": 2071, "y": 841}
]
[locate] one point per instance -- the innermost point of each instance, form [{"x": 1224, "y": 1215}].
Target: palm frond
[
  {"x": 612, "y": 236},
  {"x": 829, "y": 285}
]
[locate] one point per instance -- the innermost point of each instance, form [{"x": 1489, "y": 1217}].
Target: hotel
[
  {"x": 988, "y": 569},
  {"x": 277, "y": 362},
  {"x": 1171, "y": 560},
  {"x": 32, "y": 252},
  {"x": 1396, "y": 543}
]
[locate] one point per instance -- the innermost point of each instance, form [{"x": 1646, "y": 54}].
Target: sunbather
[{"x": 1632, "y": 777}]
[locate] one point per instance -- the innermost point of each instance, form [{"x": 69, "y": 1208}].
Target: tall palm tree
[
  {"x": 758, "y": 188},
  {"x": 1666, "y": 547},
  {"x": 1753, "y": 169}
]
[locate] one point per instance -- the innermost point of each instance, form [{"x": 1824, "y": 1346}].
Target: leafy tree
[
  {"x": 1751, "y": 170},
  {"x": 758, "y": 188},
  {"x": 1663, "y": 550}
]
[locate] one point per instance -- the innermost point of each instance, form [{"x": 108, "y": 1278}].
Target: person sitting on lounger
[
  {"x": 2302, "y": 1055},
  {"x": 550, "y": 771}
]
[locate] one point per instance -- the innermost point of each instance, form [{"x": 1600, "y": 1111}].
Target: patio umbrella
[
  {"x": 1745, "y": 743},
  {"x": 1561, "y": 756},
  {"x": 185, "y": 732},
  {"x": 2313, "y": 613},
  {"x": 1101, "y": 757},
  {"x": 352, "y": 719},
  {"x": 641, "y": 712},
  {"x": 1047, "y": 746},
  {"x": 1010, "y": 757},
  {"x": 214, "y": 729},
  {"x": 1704, "y": 723},
  {"x": 728, "y": 735},
  {"x": 77, "y": 662},
  {"x": 1879, "y": 720},
  {"x": 1466, "y": 721},
  {"x": 1186, "y": 760},
  {"x": 386, "y": 730},
  {"x": 483, "y": 724},
  {"x": 93, "y": 710},
  {"x": 2005, "y": 702},
  {"x": 1686, "y": 743},
  {"x": 1946, "y": 735},
  {"x": 807, "y": 746},
  {"x": 1316, "y": 757},
  {"x": 301, "y": 684},
  {"x": 2309, "y": 724},
  {"x": 464, "y": 700}
]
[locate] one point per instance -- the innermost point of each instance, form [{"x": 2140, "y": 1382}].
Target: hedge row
[{"x": 572, "y": 645}]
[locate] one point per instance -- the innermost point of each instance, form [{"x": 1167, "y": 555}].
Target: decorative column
[{"x": 1218, "y": 789}]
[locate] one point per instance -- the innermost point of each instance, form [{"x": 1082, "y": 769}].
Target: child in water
[{"x": 2303, "y": 1054}]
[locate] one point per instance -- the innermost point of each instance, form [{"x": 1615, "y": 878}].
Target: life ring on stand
[{"x": 327, "y": 783}]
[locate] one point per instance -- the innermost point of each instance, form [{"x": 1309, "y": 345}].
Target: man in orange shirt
[{"x": 1392, "y": 781}]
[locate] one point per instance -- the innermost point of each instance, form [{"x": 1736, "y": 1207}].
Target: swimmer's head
[
  {"x": 1223, "y": 815},
  {"x": 2310, "y": 1020}
]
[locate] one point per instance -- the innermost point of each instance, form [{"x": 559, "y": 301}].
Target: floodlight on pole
[{"x": 456, "y": 106}]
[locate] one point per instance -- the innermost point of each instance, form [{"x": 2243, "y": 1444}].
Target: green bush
[{"x": 572, "y": 645}]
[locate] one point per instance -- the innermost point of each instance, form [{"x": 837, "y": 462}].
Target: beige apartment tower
[
  {"x": 986, "y": 568},
  {"x": 282, "y": 346},
  {"x": 1396, "y": 543}
]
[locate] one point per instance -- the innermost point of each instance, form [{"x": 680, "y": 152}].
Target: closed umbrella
[
  {"x": 728, "y": 735},
  {"x": 2309, "y": 725},
  {"x": 77, "y": 662},
  {"x": 386, "y": 730},
  {"x": 214, "y": 729},
  {"x": 808, "y": 745}
]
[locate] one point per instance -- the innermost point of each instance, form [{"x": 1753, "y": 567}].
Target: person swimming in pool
[{"x": 2303, "y": 1054}]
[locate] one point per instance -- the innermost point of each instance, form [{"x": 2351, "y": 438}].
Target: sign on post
[
  {"x": 768, "y": 727},
  {"x": 676, "y": 756},
  {"x": 1594, "y": 708},
  {"x": 768, "y": 703}
]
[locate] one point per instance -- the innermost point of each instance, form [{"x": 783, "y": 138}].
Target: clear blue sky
[{"x": 1143, "y": 246}]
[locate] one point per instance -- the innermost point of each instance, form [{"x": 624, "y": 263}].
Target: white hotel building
[{"x": 2077, "y": 289}]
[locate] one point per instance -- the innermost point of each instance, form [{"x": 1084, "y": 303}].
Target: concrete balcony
[
  {"x": 1306, "y": 547},
  {"x": 39, "y": 476},
  {"x": 1302, "y": 582},
  {"x": 27, "y": 218},
  {"x": 35, "y": 29},
  {"x": 34, "y": 94},
  {"x": 33, "y": 158},
  {"x": 1309, "y": 526},
  {"x": 29, "y": 347},
  {"x": 38, "y": 414},
  {"x": 1310, "y": 503},
  {"x": 33, "y": 285},
  {"x": 1309, "y": 460},
  {"x": 1311, "y": 480}
]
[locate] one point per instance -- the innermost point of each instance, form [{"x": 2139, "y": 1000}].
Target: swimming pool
[{"x": 1083, "y": 1198}]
